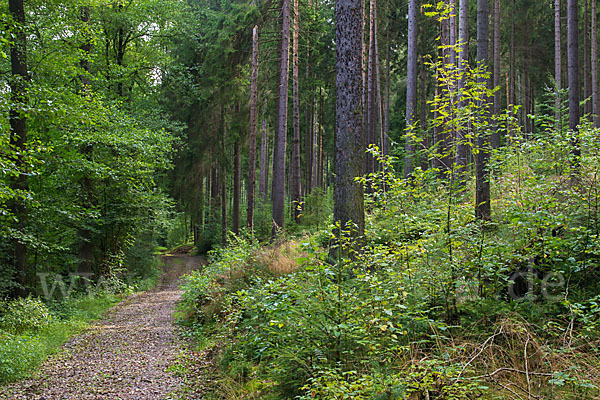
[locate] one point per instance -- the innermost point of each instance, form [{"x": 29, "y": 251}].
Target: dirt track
[{"x": 125, "y": 355}]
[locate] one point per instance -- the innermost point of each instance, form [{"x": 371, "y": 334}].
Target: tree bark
[
  {"x": 18, "y": 137},
  {"x": 557, "y": 67},
  {"x": 223, "y": 184},
  {"x": 460, "y": 167},
  {"x": 573, "y": 71},
  {"x": 308, "y": 126},
  {"x": 423, "y": 95},
  {"x": 263, "y": 163},
  {"x": 237, "y": 187},
  {"x": 482, "y": 201},
  {"x": 223, "y": 181},
  {"x": 380, "y": 140},
  {"x": 495, "y": 136},
  {"x": 594, "y": 62},
  {"x": 372, "y": 97},
  {"x": 386, "y": 113},
  {"x": 252, "y": 141},
  {"x": 411, "y": 88},
  {"x": 296, "y": 189},
  {"x": 512, "y": 56},
  {"x": 587, "y": 84},
  {"x": 365, "y": 59},
  {"x": 279, "y": 152},
  {"x": 315, "y": 142},
  {"x": 452, "y": 30},
  {"x": 348, "y": 194}
]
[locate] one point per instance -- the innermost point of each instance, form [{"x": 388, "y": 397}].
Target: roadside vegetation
[{"x": 433, "y": 303}]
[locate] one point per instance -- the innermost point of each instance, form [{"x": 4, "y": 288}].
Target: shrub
[
  {"x": 17, "y": 355},
  {"x": 20, "y": 315}
]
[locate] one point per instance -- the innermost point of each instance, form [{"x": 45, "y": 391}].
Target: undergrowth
[{"x": 435, "y": 304}]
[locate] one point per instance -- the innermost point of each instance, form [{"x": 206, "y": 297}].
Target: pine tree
[
  {"x": 463, "y": 60},
  {"x": 573, "y": 70},
  {"x": 411, "y": 88},
  {"x": 296, "y": 189},
  {"x": 482, "y": 200},
  {"x": 348, "y": 194},
  {"x": 279, "y": 151},
  {"x": 557, "y": 66}
]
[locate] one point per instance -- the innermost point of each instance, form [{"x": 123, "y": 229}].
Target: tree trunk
[
  {"x": 519, "y": 100},
  {"x": 308, "y": 126},
  {"x": 573, "y": 69},
  {"x": 452, "y": 31},
  {"x": 315, "y": 141},
  {"x": 594, "y": 62},
  {"x": 380, "y": 140},
  {"x": 348, "y": 194},
  {"x": 365, "y": 80},
  {"x": 263, "y": 163},
  {"x": 223, "y": 181},
  {"x": 237, "y": 186},
  {"x": 18, "y": 137},
  {"x": 372, "y": 96},
  {"x": 460, "y": 167},
  {"x": 411, "y": 88},
  {"x": 279, "y": 152},
  {"x": 482, "y": 201},
  {"x": 495, "y": 136},
  {"x": 223, "y": 184},
  {"x": 214, "y": 187},
  {"x": 296, "y": 189},
  {"x": 512, "y": 56},
  {"x": 200, "y": 224},
  {"x": 557, "y": 67},
  {"x": 587, "y": 84},
  {"x": 252, "y": 141},
  {"x": 321, "y": 165},
  {"x": 424, "y": 133},
  {"x": 319, "y": 160},
  {"x": 386, "y": 113},
  {"x": 445, "y": 135}
]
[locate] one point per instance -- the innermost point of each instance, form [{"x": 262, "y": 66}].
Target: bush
[
  {"x": 25, "y": 314},
  {"x": 228, "y": 270},
  {"x": 17, "y": 355}
]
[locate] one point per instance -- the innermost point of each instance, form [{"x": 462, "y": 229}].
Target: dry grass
[
  {"x": 520, "y": 365},
  {"x": 280, "y": 258}
]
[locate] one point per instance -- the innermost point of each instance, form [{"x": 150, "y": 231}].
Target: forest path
[{"x": 125, "y": 355}]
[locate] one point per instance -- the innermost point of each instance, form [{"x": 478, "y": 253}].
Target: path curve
[{"x": 123, "y": 356}]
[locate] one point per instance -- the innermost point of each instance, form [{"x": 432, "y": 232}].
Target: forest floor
[{"x": 127, "y": 355}]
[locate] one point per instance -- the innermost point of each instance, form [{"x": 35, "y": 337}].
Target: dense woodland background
[{"x": 422, "y": 177}]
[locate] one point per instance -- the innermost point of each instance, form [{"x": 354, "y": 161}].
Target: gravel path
[{"x": 125, "y": 355}]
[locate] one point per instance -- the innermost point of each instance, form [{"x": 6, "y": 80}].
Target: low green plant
[
  {"x": 24, "y": 314},
  {"x": 34, "y": 331}
]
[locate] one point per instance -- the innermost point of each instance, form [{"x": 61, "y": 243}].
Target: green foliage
[
  {"x": 355, "y": 326},
  {"x": 97, "y": 152},
  {"x": 25, "y": 314},
  {"x": 318, "y": 209},
  {"x": 29, "y": 332},
  {"x": 433, "y": 377},
  {"x": 228, "y": 270}
]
